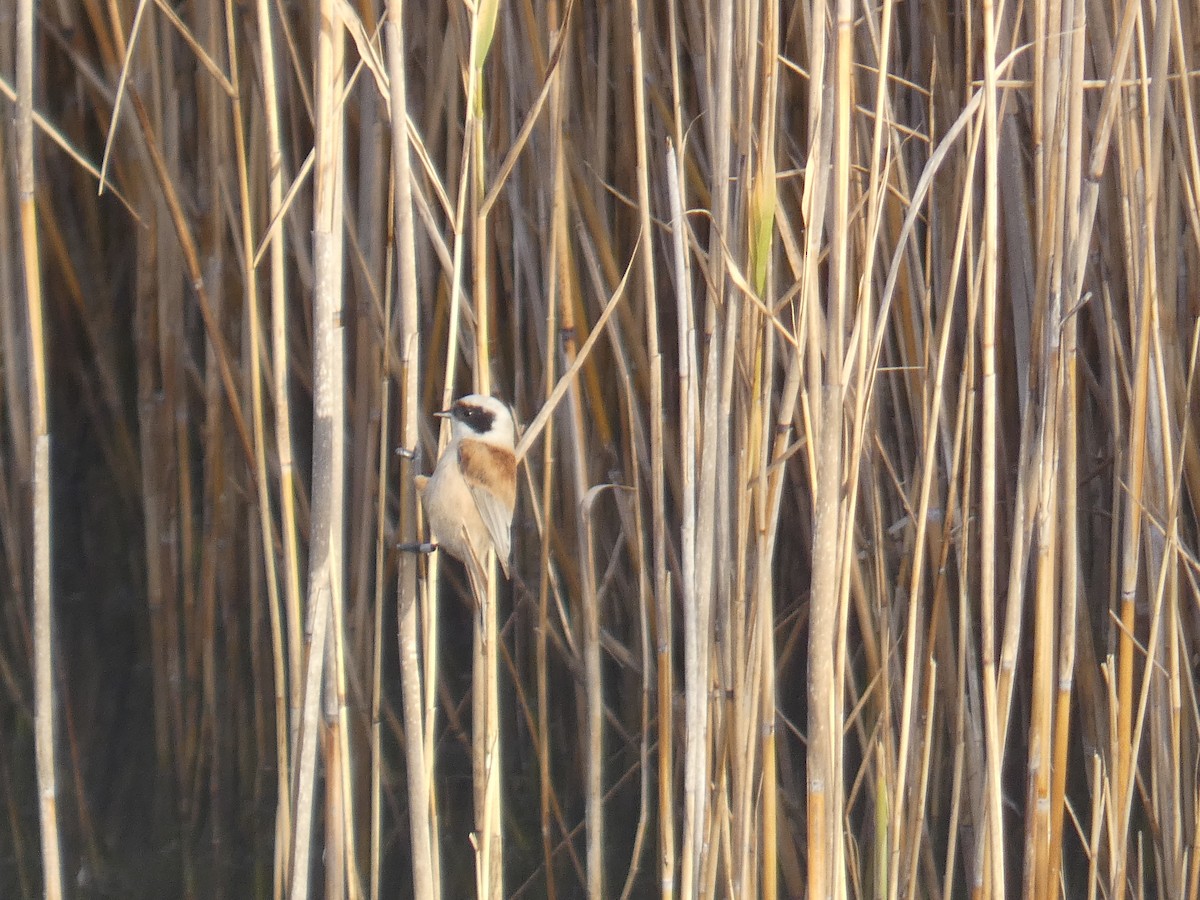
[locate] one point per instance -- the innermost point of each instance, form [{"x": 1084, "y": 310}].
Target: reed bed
[{"x": 855, "y": 347}]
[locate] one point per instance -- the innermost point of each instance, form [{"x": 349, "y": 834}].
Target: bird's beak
[{"x": 444, "y": 414}]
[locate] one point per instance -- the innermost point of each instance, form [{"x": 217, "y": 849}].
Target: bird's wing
[{"x": 491, "y": 474}]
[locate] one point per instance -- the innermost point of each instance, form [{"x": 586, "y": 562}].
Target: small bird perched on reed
[{"x": 470, "y": 497}]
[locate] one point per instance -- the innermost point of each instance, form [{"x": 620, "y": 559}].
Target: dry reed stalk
[
  {"x": 288, "y": 517},
  {"x": 1046, "y": 364},
  {"x": 695, "y": 691},
  {"x": 722, "y": 324},
  {"x": 261, "y": 473},
  {"x": 564, "y": 297},
  {"x": 487, "y": 761},
  {"x": 593, "y": 735},
  {"x": 663, "y": 630},
  {"x": 763, "y": 200},
  {"x": 286, "y": 619},
  {"x": 328, "y": 481},
  {"x": 543, "y": 621},
  {"x": 994, "y": 853},
  {"x": 342, "y": 874},
  {"x": 42, "y": 583},
  {"x": 827, "y": 868},
  {"x": 1144, "y": 462},
  {"x": 900, "y": 830},
  {"x": 632, "y": 519},
  {"x": 633, "y": 523},
  {"x": 454, "y": 313},
  {"x": 418, "y": 726},
  {"x": 17, "y": 453},
  {"x": 15, "y": 460},
  {"x": 1074, "y": 15}
]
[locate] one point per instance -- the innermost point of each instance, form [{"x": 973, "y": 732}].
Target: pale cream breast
[{"x": 451, "y": 510}]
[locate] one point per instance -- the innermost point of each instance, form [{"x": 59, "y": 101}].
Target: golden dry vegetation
[{"x": 856, "y": 535}]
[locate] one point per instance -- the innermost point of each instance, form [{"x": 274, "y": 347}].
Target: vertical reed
[
  {"x": 43, "y": 662},
  {"x": 858, "y": 557}
]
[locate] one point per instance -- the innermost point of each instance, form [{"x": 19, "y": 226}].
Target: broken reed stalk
[{"x": 43, "y": 585}]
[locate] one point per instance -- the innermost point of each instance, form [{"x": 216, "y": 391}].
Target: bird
[{"x": 470, "y": 496}]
